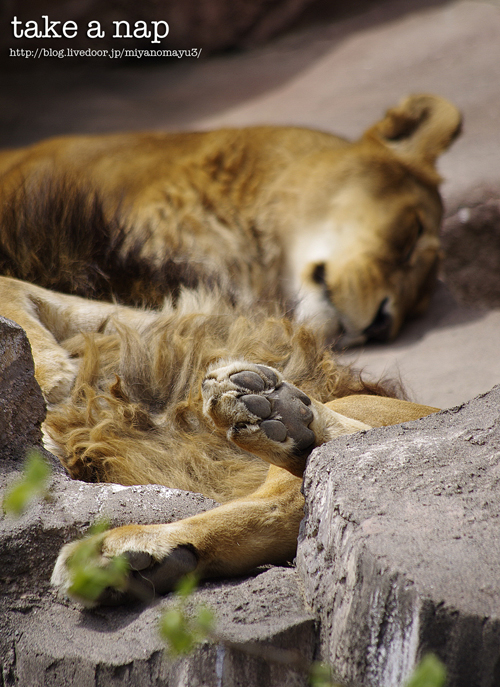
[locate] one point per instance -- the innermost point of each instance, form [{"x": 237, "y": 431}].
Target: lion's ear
[{"x": 419, "y": 129}]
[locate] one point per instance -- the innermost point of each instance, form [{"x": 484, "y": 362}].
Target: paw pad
[
  {"x": 245, "y": 400},
  {"x": 274, "y": 429},
  {"x": 284, "y": 410},
  {"x": 248, "y": 380},
  {"x": 258, "y": 405}
]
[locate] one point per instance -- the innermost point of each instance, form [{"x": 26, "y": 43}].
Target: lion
[
  {"x": 342, "y": 234},
  {"x": 205, "y": 277}
]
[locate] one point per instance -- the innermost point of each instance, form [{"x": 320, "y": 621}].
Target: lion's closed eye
[{"x": 406, "y": 242}]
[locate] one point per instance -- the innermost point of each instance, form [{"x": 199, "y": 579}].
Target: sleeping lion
[{"x": 181, "y": 293}]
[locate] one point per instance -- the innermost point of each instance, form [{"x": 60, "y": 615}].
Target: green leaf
[
  {"x": 320, "y": 675},
  {"x": 91, "y": 578},
  {"x": 175, "y": 630},
  {"x": 99, "y": 527},
  {"x": 430, "y": 672},
  {"x": 186, "y": 586},
  {"x": 205, "y": 621},
  {"x": 181, "y": 630},
  {"x": 30, "y": 486},
  {"x": 90, "y": 572}
]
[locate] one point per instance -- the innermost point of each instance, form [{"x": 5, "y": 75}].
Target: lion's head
[{"x": 363, "y": 223}]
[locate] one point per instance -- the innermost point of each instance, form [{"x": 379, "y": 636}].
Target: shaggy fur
[
  {"x": 135, "y": 414},
  {"x": 54, "y": 233}
]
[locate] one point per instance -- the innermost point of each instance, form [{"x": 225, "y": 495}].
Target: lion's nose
[{"x": 380, "y": 328}]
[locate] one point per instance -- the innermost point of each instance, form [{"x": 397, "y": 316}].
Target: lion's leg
[
  {"x": 55, "y": 371},
  {"x": 378, "y": 411},
  {"x": 229, "y": 540},
  {"x": 266, "y": 415},
  {"x": 48, "y": 318},
  {"x": 263, "y": 527}
]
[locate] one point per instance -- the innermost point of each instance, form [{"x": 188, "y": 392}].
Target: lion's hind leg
[
  {"x": 231, "y": 539},
  {"x": 379, "y": 411},
  {"x": 257, "y": 529},
  {"x": 266, "y": 415}
]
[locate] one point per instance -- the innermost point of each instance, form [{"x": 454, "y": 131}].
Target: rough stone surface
[
  {"x": 471, "y": 246},
  {"x": 22, "y": 408},
  {"x": 400, "y": 547},
  {"x": 48, "y": 640}
]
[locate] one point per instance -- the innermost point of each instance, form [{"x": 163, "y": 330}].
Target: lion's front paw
[
  {"x": 261, "y": 413},
  {"x": 155, "y": 563}
]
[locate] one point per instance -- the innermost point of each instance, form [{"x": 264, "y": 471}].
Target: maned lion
[
  {"x": 187, "y": 398},
  {"x": 218, "y": 232}
]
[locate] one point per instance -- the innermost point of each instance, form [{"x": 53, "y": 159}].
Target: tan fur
[
  {"x": 379, "y": 412},
  {"x": 346, "y": 232}
]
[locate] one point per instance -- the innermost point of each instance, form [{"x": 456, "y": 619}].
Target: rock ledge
[{"x": 400, "y": 547}]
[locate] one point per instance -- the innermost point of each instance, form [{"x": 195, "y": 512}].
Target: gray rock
[
  {"x": 22, "y": 408},
  {"x": 471, "y": 246},
  {"x": 399, "y": 551},
  {"x": 48, "y": 640},
  {"x": 59, "y": 643}
]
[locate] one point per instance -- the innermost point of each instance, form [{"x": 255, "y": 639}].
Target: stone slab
[
  {"x": 47, "y": 640},
  {"x": 400, "y": 547},
  {"x": 473, "y": 232},
  {"x": 22, "y": 407},
  {"x": 59, "y": 644}
]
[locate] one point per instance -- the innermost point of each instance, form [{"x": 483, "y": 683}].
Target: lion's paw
[
  {"x": 261, "y": 412},
  {"x": 156, "y": 563}
]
